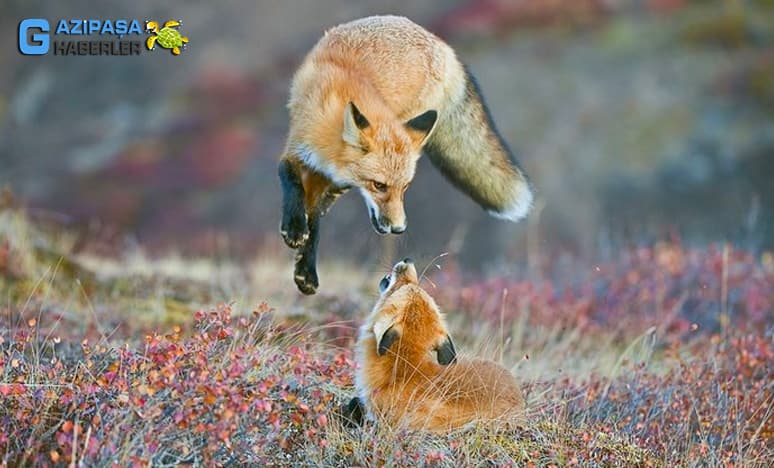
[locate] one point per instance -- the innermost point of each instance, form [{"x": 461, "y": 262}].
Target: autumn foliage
[{"x": 664, "y": 355}]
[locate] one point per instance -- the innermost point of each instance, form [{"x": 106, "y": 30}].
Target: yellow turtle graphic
[{"x": 167, "y": 37}]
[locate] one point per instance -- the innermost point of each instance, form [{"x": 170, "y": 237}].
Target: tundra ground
[{"x": 664, "y": 356}]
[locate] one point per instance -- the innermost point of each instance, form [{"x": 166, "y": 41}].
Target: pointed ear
[
  {"x": 354, "y": 122},
  {"x": 360, "y": 121},
  {"x": 423, "y": 124},
  {"x": 389, "y": 337},
  {"x": 446, "y": 352}
]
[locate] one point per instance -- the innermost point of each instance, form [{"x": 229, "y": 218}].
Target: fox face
[
  {"x": 406, "y": 316},
  {"x": 382, "y": 157}
]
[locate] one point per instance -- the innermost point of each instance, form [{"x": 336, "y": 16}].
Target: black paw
[
  {"x": 352, "y": 413},
  {"x": 305, "y": 276},
  {"x": 294, "y": 229}
]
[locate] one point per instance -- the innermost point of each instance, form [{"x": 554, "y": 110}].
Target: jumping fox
[
  {"x": 399, "y": 380},
  {"x": 369, "y": 98}
]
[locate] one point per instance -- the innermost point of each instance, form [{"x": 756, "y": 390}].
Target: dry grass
[{"x": 664, "y": 357}]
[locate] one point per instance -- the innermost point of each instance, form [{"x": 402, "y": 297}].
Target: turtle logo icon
[{"x": 167, "y": 37}]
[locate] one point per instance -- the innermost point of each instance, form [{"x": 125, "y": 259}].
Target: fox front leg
[
  {"x": 352, "y": 414},
  {"x": 293, "y": 228},
  {"x": 305, "y": 272},
  {"x": 330, "y": 197}
]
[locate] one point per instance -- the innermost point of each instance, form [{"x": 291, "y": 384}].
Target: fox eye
[
  {"x": 384, "y": 283},
  {"x": 379, "y": 186}
]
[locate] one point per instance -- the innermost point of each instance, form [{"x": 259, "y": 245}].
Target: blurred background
[{"x": 637, "y": 120}]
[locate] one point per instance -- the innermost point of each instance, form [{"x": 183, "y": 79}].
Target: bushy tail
[{"x": 468, "y": 151}]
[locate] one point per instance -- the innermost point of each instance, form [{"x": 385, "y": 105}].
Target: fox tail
[{"x": 467, "y": 149}]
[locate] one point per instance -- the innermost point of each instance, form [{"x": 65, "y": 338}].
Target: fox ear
[
  {"x": 360, "y": 121},
  {"x": 385, "y": 333},
  {"x": 446, "y": 352},
  {"x": 354, "y": 122},
  {"x": 390, "y": 336},
  {"x": 423, "y": 124}
]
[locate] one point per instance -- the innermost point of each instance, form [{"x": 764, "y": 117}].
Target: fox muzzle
[{"x": 382, "y": 225}]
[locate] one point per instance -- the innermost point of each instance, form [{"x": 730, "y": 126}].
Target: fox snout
[
  {"x": 386, "y": 211},
  {"x": 403, "y": 272},
  {"x": 384, "y": 225},
  {"x": 404, "y": 266}
]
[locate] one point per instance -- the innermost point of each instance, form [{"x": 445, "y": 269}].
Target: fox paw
[
  {"x": 351, "y": 414},
  {"x": 305, "y": 277},
  {"x": 294, "y": 230}
]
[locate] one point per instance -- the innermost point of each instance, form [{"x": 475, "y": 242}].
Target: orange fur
[
  {"x": 406, "y": 384},
  {"x": 354, "y": 63},
  {"x": 370, "y": 97}
]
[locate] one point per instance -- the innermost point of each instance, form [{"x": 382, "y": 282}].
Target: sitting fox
[
  {"x": 399, "y": 380},
  {"x": 370, "y": 97}
]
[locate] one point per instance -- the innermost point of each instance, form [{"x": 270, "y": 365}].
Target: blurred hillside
[{"x": 636, "y": 120}]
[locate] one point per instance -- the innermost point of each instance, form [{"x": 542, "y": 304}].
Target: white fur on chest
[{"x": 312, "y": 160}]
